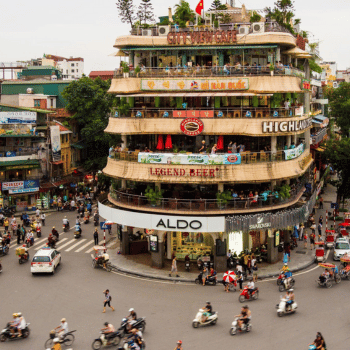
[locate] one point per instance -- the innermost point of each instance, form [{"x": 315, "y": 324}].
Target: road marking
[
  {"x": 67, "y": 243},
  {"x": 74, "y": 245},
  {"x": 40, "y": 241},
  {"x": 90, "y": 250},
  {"x": 84, "y": 246}
]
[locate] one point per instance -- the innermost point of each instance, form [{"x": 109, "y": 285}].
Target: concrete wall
[{"x": 12, "y": 100}]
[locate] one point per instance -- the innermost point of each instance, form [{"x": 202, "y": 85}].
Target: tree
[
  {"x": 216, "y": 6},
  {"x": 337, "y": 154},
  {"x": 126, "y": 11},
  {"x": 145, "y": 12},
  {"x": 282, "y": 13},
  {"x": 339, "y": 103},
  {"x": 90, "y": 103},
  {"x": 183, "y": 13}
]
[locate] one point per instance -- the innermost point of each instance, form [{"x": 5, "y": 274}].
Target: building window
[
  {"x": 66, "y": 71},
  {"x": 51, "y": 102},
  {"x": 72, "y": 70},
  {"x": 77, "y": 70},
  {"x": 36, "y": 103},
  {"x": 72, "y": 64}
]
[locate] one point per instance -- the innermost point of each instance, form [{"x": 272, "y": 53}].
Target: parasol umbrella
[
  {"x": 327, "y": 265},
  {"x": 229, "y": 276},
  {"x": 168, "y": 142},
  {"x": 345, "y": 258},
  {"x": 344, "y": 224},
  {"x": 160, "y": 143},
  {"x": 220, "y": 143}
]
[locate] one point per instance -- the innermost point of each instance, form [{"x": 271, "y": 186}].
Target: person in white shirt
[
  {"x": 250, "y": 286},
  {"x": 65, "y": 221},
  {"x": 72, "y": 204},
  {"x": 62, "y": 329},
  {"x": 43, "y": 217},
  {"x": 22, "y": 323},
  {"x": 37, "y": 213},
  {"x": 286, "y": 104}
]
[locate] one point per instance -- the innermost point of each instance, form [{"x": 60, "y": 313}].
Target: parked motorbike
[
  {"x": 283, "y": 310},
  {"x": 211, "y": 280},
  {"x": 231, "y": 262},
  {"x": 212, "y": 319},
  {"x": 23, "y": 258},
  {"x": 281, "y": 247},
  {"x": 7, "y": 335},
  {"x": 254, "y": 295},
  {"x": 9, "y": 211},
  {"x": 244, "y": 327},
  {"x": 139, "y": 324}
]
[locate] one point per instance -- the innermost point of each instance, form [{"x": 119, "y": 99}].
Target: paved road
[{"x": 75, "y": 292}]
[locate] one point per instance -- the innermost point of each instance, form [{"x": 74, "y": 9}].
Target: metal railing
[
  {"x": 246, "y": 157},
  {"x": 263, "y": 201},
  {"x": 18, "y": 151},
  {"x": 224, "y": 112},
  {"x": 318, "y": 137},
  {"x": 208, "y": 71}
]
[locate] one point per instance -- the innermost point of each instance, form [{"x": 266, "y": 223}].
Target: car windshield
[
  {"x": 41, "y": 259},
  {"x": 342, "y": 245}
]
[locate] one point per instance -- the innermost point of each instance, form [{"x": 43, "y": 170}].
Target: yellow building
[{"x": 65, "y": 135}]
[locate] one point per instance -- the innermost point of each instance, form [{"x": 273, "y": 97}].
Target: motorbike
[
  {"x": 66, "y": 206},
  {"x": 9, "y": 211},
  {"x": 283, "y": 310},
  {"x": 244, "y": 328},
  {"x": 65, "y": 227},
  {"x": 38, "y": 233},
  {"x": 67, "y": 339},
  {"x": 29, "y": 242},
  {"x": 4, "y": 250},
  {"x": 26, "y": 222},
  {"x": 23, "y": 258},
  {"x": 77, "y": 234},
  {"x": 211, "y": 280},
  {"x": 197, "y": 322},
  {"x": 52, "y": 244},
  {"x": 100, "y": 342},
  {"x": 86, "y": 219},
  {"x": 129, "y": 345},
  {"x": 281, "y": 247},
  {"x": 0, "y": 268},
  {"x": 280, "y": 280},
  {"x": 139, "y": 324},
  {"x": 282, "y": 286},
  {"x": 96, "y": 221},
  {"x": 187, "y": 265},
  {"x": 246, "y": 296},
  {"x": 7, "y": 335},
  {"x": 231, "y": 262}
]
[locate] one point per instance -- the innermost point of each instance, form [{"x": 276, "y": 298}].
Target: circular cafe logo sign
[
  {"x": 191, "y": 126},
  {"x": 232, "y": 159}
]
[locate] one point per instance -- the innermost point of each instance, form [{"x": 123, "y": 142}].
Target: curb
[{"x": 144, "y": 275}]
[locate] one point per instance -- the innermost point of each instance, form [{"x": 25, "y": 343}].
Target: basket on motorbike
[
  {"x": 52, "y": 334},
  {"x": 20, "y": 251},
  {"x": 319, "y": 252}
]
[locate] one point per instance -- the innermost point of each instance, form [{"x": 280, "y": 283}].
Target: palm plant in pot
[
  {"x": 272, "y": 68},
  {"x": 223, "y": 198},
  {"x": 284, "y": 192},
  {"x": 154, "y": 195}
]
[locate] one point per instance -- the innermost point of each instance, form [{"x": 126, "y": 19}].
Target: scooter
[
  {"x": 211, "y": 280},
  {"x": 38, "y": 233},
  {"x": 29, "y": 242},
  {"x": 280, "y": 280},
  {"x": 96, "y": 221},
  {"x": 283, "y": 309},
  {"x": 23, "y": 258},
  {"x": 244, "y": 328},
  {"x": 77, "y": 234},
  {"x": 7, "y": 335},
  {"x": 66, "y": 227},
  {"x": 100, "y": 342},
  {"x": 187, "y": 265},
  {"x": 139, "y": 324},
  {"x": 197, "y": 322},
  {"x": 246, "y": 296},
  {"x": 4, "y": 250},
  {"x": 282, "y": 287},
  {"x": 86, "y": 219}
]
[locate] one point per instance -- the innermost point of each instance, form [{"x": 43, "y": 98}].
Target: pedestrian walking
[
  {"x": 6, "y": 224},
  {"x": 254, "y": 268},
  {"x": 174, "y": 268},
  {"x": 319, "y": 228},
  {"x": 23, "y": 233},
  {"x": 18, "y": 234},
  {"x": 37, "y": 213},
  {"x": 240, "y": 280},
  {"x": 96, "y": 236},
  {"x": 320, "y": 200},
  {"x": 43, "y": 217},
  {"x": 107, "y": 300},
  {"x": 320, "y": 220},
  {"x": 312, "y": 240},
  {"x": 301, "y": 232},
  {"x": 305, "y": 240}
]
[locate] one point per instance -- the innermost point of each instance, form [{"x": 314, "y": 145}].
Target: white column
[
  {"x": 273, "y": 144},
  {"x": 295, "y": 138},
  {"x": 123, "y": 183},
  {"x": 289, "y": 140},
  {"x": 124, "y": 142},
  {"x": 221, "y": 187}
]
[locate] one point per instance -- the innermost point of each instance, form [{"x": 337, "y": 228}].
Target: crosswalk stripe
[
  {"x": 81, "y": 240},
  {"x": 62, "y": 240},
  {"x": 67, "y": 243},
  {"x": 84, "y": 246},
  {"x": 40, "y": 241},
  {"x": 90, "y": 250}
]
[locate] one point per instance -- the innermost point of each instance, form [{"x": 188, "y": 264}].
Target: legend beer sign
[
  {"x": 182, "y": 172},
  {"x": 284, "y": 126},
  {"x": 202, "y": 37}
]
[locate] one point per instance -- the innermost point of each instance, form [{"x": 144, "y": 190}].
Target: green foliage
[
  {"x": 337, "y": 154},
  {"x": 183, "y": 13},
  {"x": 157, "y": 102},
  {"x": 282, "y": 13},
  {"x": 304, "y": 34},
  {"x": 90, "y": 103},
  {"x": 223, "y": 197},
  {"x": 217, "y": 102},
  {"x": 153, "y": 195},
  {"x": 314, "y": 66},
  {"x": 224, "y": 18},
  {"x": 255, "y": 17},
  {"x": 145, "y": 12},
  {"x": 126, "y": 11},
  {"x": 255, "y": 101},
  {"x": 284, "y": 191},
  {"x": 339, "y": 103},
  {"x": 165, "y": 22}
]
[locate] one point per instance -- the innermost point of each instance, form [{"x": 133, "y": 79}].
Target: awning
[
  {"x": 42, "y": 127},
  {"x": 57, "y": 163},
  {"x": 320, "y": 117},
  {"x": 320, "y": 149},
  {"x": 199, "y": 47},
  {"x": 78, "y": 146},
  {"x": 295, "y": 51},
  {"x": 194, "y": 94},
  {"x": 316, "y": 121},
  {"x": 20, "y": 164}
]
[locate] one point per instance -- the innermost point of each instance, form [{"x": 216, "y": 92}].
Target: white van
[{"x": 45, "y": 260}]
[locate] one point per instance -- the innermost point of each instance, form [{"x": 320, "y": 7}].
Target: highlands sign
[{"x": 284, "y": 126}]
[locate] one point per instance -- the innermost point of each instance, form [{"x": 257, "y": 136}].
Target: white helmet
[
  {"x": 56, "y": 340},
  {"x": 131, "y": 310},
  {"x": 19, "y": 314}
]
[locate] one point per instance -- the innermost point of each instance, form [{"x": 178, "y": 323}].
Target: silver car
[{"x": 341, "y": 248}]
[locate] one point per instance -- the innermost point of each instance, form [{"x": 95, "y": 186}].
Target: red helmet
[
  {"x": 23, "y": 245},
  {"x": 179, "y": 342}
]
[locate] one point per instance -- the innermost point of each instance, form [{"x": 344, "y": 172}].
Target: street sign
[{"x": 103, "y": 226}]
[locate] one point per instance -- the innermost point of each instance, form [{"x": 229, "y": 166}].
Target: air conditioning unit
[
  {"x": 258, "y": 27},
  {"x": 163, "y": 30},
  {"x": 243, "y": 30},
  {"x": 146, "y": 32}
]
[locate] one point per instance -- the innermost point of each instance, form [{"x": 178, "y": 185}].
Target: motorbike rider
[
  {"x": 30, "y": 236},
  {"x": 55, "y": 232},
  {"x": 213, "y": 273},
  {"x": 62, "y": 329},
  {"x": 89, "y": 208},
  {"x": 86, "y": 215},
  {"x": 78, "y": 228},
  {"x": 38, "y": 227},
  {"x": 51, "y": 241},
  {"x": 136, "y": 336},
  {"x": 15, "y": 325},
  {"x": 244, "y": 316},
  {"x": 207, "y": 311},
  {"x": 65, "y": 222},
  {"x": 22, "y": 323},
  {"x": 250, "y": 286},
  {"x": 25, "y": 255},
  {"x": 287, "y": 275},
  {"x": 96, "y": 216},
  {"x": 108, "y": 330},
  {"x": 132, "y": 316},
  {"x": 289, "y": 298},
  {"x": 178, "y": 345},
  {"x": 325, "y": 276}
]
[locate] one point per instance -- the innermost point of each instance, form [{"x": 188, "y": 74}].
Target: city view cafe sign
[{"x": 202, "y": 37}]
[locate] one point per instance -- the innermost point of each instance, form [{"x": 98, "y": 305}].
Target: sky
[{"x": 88, "y": 28}]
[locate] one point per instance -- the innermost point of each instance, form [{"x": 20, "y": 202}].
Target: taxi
[{"x": 45, "y": 260}]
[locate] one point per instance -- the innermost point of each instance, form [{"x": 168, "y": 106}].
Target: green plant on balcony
[
  {"x": 284, "y": 192},
  {"x": 217, "y": 102},
  {"x": 137, "y": 70},
  {"x": 255, "y": 17},
  {"x": 154, "y": 195},
  {"x": 123, "y": 109},
  {"x": 157, "y": 101},
  {"x": 223, "y": 198},
  {"x": 255, "y": 101}
]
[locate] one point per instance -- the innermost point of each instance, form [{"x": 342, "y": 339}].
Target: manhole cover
[{"x": 301, "y": 252}]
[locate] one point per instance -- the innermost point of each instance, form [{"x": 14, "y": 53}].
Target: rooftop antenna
[{"x": 232, "y": 3}]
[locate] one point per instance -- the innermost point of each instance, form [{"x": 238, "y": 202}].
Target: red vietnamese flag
[{"x": 200, "y": 7}]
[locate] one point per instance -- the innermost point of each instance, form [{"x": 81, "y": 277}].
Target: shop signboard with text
[
  {"x": 193, "y": 114},
  {"x": 208, "y": 84},
  {"x": 189, "y": 159},
  {"x": 25, "y": 186},
  {"x": 55, "y": 143},
  {"x": 286, "y": 126},
  {"x": 18, "y": 117}
]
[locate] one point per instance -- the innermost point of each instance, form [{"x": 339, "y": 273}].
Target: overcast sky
[{"x": 88, "y": 28}]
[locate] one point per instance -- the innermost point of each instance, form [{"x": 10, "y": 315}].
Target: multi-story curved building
[{"x": 214, "y": 125}]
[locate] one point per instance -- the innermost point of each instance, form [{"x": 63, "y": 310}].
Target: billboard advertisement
[
  {"x": 17, "y": 117},
  {"x": 55, "y": 143},
  {"x": 25, "y": 186}
]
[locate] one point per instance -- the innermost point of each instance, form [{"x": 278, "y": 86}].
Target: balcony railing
[
  {"x": 318, "y": 137},
  {"x": 225, "y": 112},
  {"x": 266, "y": 200},
  {"x": 208, "y": 71},
  {"x": 245, "y": 157}
]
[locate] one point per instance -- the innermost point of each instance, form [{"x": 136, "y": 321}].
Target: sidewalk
[{"x": 140, "y": 265}]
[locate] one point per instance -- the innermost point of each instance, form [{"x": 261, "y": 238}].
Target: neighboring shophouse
[
  {"x": 103, "y": 74},
  {"x": 24, "y": 154},
  {"x": 178, "y": 184},
  {"x": 72, "y": 68}
]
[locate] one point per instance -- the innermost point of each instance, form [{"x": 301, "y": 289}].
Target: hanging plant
[
  {"x": 217, "y": 102},
  {"x": 255, "y": 101}
]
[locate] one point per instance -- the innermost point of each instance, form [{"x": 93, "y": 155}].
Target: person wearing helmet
[
  {"x": 57, "y": 345},
  {"x": 287, "y": 275},
  {"x": 15, "y": 325},
  {"x": 207, "y": 311},
  {"x": 65, "y": 222},
  {"x": 108, "y": 330},
  {"x": 178, "y": 345},
  {"x": 62, "y": 329},
  {"x": 290, "y": 299},
  {"x": 55, "y": 232},
  {"x": 136, "y": 337},
  {"x": 51, "y": 241},
  {"x": 285, "y": 267},
  {"x": 132, "y": 316}
]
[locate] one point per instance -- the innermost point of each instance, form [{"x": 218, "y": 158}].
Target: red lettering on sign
[
  {"x": 211, "y": 172},
  {"x": 182, "y": 172},
  {"x": 205, "y": 172}
]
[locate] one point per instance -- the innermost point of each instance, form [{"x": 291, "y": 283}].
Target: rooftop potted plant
[
  {"x": 154, "y": 195},
  {"x": 137, "y": 70},
  {"x": 272, "y": 68}
]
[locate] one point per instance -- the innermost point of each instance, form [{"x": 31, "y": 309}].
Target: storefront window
[{"x": 235, "y": 241}]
